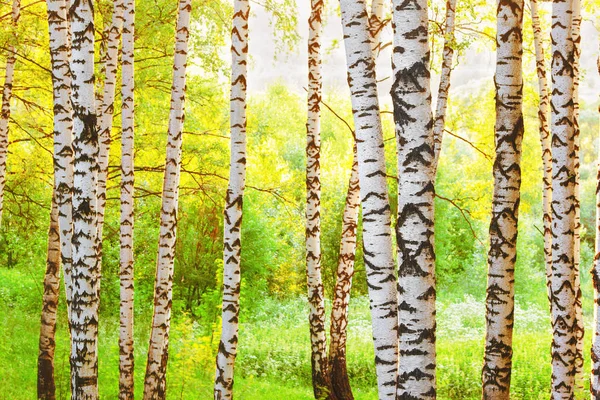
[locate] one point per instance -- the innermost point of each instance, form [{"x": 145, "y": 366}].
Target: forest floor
[{"x": 273, "y": 359}]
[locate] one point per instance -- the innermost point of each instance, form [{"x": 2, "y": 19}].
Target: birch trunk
[
  {"x": 158, "y": 350},
  {"x": 11, "y": 59},
  {"x": 444, "y": 88},
  {"x": 595, "y": 351},
  {"x": 577, "y": 237},
  {"x": 85, "y": 271},
  {"x": 319, "y": 363},
  {"x": 105, "y": 116},
  {"x": 564, "y": 291},
  {"x": 234, "y": 199},
  {"x": 544, "y": 117},
  {"x": 59, "y": 235},
  {"x": 46, "y": 388},
  {"x": 377, "y": 240},
  {"x": 345, "y": 271},
  {"x": 411, "y": 97},
  {"x": 126, "y": 355},
  {"x": 502, "y": 255}
]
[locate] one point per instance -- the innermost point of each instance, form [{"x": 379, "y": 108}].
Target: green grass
[{"x": 274, "y": 359}]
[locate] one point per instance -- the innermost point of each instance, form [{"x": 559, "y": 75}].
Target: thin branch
[{"x": 464, "y": 213}]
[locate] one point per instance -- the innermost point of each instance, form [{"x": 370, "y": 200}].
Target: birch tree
[
  {"x": 411, "y": 97},
  {"x": 319, "y": 363},
  {"x": 444, "y": 87},
  {"x": 9, "y": 73},
  {"x": 232, "y": 223},
  {"x": 106, "y": 110},
  {"x": 377, "y": 240},
  {"x": 158, "y": 350},
  {"x": 85, "y": 269},
  {"x": 497, "y": 365},
  {"x": 345, "y": 270},
  {"x": 564, "y": 293},
  {"x": 60, "y": 232},
  {"x": 126, "y": 355},
  {"x": 544, "y": 121},
  {"x": 46, "y": 387}
]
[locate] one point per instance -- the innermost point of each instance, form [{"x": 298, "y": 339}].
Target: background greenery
[{"x": 274, "y": 359}]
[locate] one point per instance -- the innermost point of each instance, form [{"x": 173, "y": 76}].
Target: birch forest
[{"x": 300, "y": 199}]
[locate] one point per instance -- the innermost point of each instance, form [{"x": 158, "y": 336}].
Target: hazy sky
[{"x": 476, "y": 67}]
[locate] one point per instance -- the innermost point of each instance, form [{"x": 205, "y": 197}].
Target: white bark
[
  {"x": 377, "y": 240},
  {"x": 85, "y": 270},
  {"x": 564, "y": 292},
  {"x": 232, "y": 223},
  {"x": 158, "y": 350},
  {"x": 126, "y": 355},
  {"x": 9, "y": 72}
]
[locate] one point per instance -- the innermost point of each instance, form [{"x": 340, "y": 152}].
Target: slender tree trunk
[
  {"x": 158, "y": 350},
  {"x": 411, "y": 96},
  {"x": 85, "y": 270},
  {"x": 59, "y": 235},
  {"x": 595, "y": 351},
  {"x": 544, "y": 117},
  {"x": 502, "y": 255},
  {"x": 11, "y": 59},
  {"x": 577, "y": 237},
  {"x": 319, "y": 363},
  {"x": 126, "y": 356},
  {"x": 377, "y": 240},
  {"x": 444, "y": 88},
  {"x": 106, "y": 111},
  {"x": 345, "y": 270},
  {"x": 234, "y": 199},
  {"x": 46, "y": 387},
  {"x": 564, "y": 292}
]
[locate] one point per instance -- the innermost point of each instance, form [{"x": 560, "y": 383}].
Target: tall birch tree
[
  {"x": 319, "y": 362},
  {"x": 106, "y": 110},
  {"x": 497, "y": 365},
  {"x": 564, "y": 291},
  {"x": 232, "y": 223},
  {"x": 126, "y": 355},
  {"x": 345, "y": 270},
  {"x": 85, "y": 269},
  {"x": 60, "y": 232},
  {"x": 158, "y": 350},
  {"x": 444, "y": 87},
  {"x": 377, "y": 240},
  {"x": 544, "y": 121},
  {"x": 411, "y": 97},
  {"x": 9, "y": 73}
]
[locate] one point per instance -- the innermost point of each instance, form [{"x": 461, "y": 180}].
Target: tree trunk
[
  {"x": 377, "y": 240},
  {"x": 544, "y": 116},
  {"x": 158, "y": 350},
  {"x": 564, "y": 292},
  {"x": 234, "y": 199},
  {"x": 11, "y": 59},
  {"x": 502, "y": 255},
  {"x": 411, "y": 97},
  {"x": 595, "y": 351},
  {"x": 106, "y": 111},
  {"x": 444, "y": 88},
  {"x": 319, "y": 363},
  {"x": 126, "y": 356},
  {"x": 577, "y": 245},
  {"x": 46, "y": 387},
  {"x": 85, "y": 271}
]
